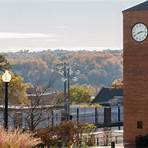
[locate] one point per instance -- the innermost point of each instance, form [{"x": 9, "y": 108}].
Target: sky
[{"x": 62, "y": 24}]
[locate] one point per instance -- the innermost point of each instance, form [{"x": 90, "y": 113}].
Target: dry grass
[{"x": 17, "y": 139}]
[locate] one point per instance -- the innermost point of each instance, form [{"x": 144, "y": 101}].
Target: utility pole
[
  {"x": 65, "y": 90},
  {"x": 68, "y": 93}
]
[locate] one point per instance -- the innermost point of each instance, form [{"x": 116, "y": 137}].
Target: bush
[
  {"x": 17, "y": 139},
  {"x": 88, "y": 128},
  {"x": 66, "y": 133}
]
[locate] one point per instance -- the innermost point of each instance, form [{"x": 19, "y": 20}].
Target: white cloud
[{"x": 8, "y": 35}]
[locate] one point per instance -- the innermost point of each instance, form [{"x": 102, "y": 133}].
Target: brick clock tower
[{"x": 135, "y": 42}]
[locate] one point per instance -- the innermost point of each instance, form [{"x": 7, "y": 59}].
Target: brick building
[{"x": 135, "y": 41}]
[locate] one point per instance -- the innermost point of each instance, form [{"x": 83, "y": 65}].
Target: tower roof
[{"x": 139, "y": 7}]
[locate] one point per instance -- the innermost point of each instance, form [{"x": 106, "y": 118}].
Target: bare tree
[{"x": 39, "y": 109}]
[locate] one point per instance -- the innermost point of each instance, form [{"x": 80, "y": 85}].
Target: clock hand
[{"x": 139, "y": 32}]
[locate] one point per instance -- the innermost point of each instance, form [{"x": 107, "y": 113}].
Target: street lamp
[{"x": 6, "y": 78}]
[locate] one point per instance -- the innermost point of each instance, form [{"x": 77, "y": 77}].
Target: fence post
[
  {"x": 112, "y": 144},
  {"x": 59, "y": 144},
  {"x": 116, "y": 139},
  {"x": 52, "y": 118},
  {"x": 119, "y": 115},
  {"x": 96, "y": 115},
  {"x": 97, "y": 141},
  {"x": 77, "y": 114}
]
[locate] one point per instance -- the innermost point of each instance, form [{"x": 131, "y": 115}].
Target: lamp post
[{"x": 6, "y": 78}]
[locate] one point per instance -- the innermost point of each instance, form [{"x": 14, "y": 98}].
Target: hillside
[{"x": 96, "y": 68}]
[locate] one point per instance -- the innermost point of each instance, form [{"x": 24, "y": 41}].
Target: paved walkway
[{"x": 116, "y": 146}]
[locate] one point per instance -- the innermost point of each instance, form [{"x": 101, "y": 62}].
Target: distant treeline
[{"x": 95, "y": 68}]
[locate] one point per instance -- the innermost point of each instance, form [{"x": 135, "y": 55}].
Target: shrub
[
  {"x": 17, "y": 139},
  {"x": 66, "y": 133},
  {"x": 88, "y": 128}
]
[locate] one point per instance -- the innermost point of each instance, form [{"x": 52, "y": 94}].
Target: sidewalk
[{"x": 116, "y": 146}]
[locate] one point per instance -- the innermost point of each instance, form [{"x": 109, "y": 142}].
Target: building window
[{"x": 139, "y": 124}]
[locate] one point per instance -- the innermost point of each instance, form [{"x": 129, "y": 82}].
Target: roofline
[
  {"x": 127, "y": 10},
  {"x": 111, "y": 88},
  {"x": 130, "y": 8}
]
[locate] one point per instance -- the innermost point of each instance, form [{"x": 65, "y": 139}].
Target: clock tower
[{"x": 135, "y": 54}]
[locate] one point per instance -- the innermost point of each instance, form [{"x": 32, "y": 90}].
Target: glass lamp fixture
[{"x": 6, "y": 77}]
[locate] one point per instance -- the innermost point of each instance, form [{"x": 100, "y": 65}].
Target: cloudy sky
[{"x": 61, "y": 24}]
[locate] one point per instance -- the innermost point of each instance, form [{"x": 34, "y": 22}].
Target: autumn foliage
[
  {"x": 67, "y": 133},
  {"x": 17, "y": 90},
  {"x": 96, "y": 68}
]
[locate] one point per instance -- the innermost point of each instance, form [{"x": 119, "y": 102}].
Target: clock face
[{"x": 139, "y": 32}]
